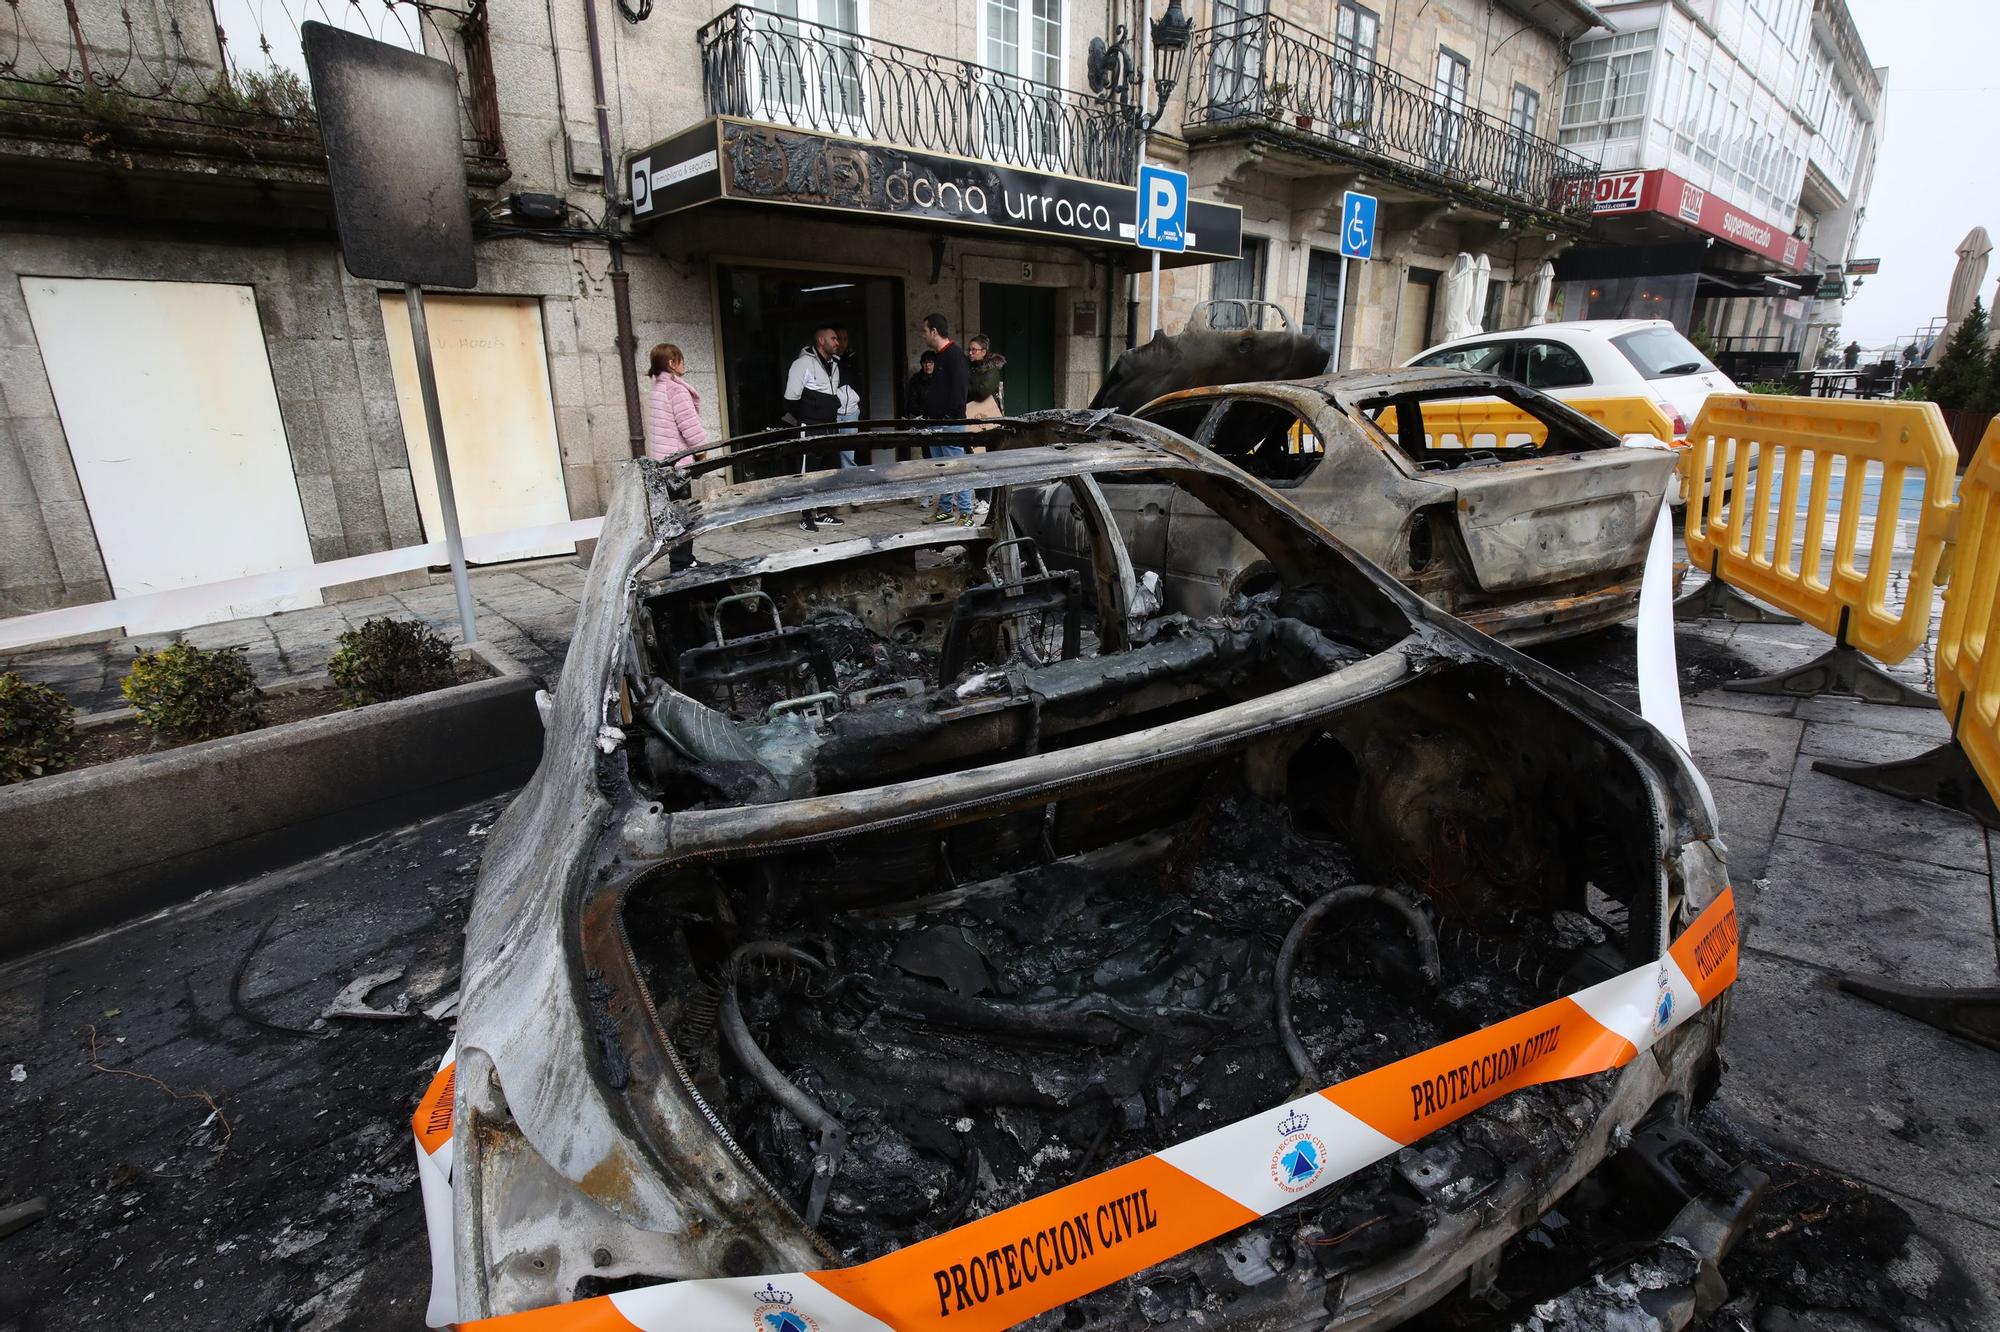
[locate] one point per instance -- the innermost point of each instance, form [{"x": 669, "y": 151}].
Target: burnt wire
[
  {"x": 1475, "y": 951},
  {"x": 832, "y": 1145},
  {"x": 1353, "y": 894}
]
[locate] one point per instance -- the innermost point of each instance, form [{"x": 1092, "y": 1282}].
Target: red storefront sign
[{"x": 1664, "y": 192}]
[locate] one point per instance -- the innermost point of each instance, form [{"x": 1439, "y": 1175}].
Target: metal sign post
[
  {"x": 1339, "y": 314},
  {"x": 388, "y": 120},
  {"x": 1357, "y": 241},
  {"x": 454, "y": 545},
  {"x": 1145, "y": 134},
  {"x": 1161, "y": 224}
]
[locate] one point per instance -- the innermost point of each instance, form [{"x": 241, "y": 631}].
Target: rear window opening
[
  {"x": 1445, "y": 432},
  {"x": 990, "y": 1007},
  {"x": 1662, "y": 353}
]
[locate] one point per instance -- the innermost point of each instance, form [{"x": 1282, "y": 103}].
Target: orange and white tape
[
  {"x": 432, "y": 1126},
  {"x": 1040, "y": 1254}
]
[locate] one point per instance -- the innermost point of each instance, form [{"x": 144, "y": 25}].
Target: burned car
[
  {"x": 1509, "y": 509},
  {"x": 872, "y": 883}
]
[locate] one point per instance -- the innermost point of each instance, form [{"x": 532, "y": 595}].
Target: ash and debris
[
  {"x": 251, "y": 1171},
  {"x": 1056, "y": 1021},
  {"x": 1820, "y": 1252}
]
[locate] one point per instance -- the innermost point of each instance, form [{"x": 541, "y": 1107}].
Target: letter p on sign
[{"x": 1163, "y": 201}]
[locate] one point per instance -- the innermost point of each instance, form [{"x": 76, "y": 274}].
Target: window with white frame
[
  {"x": 1714, "y": 107},
  {"x": 1022, "y": 40},
  {"x": 1236, "y": 67},
  {"x": 1454, "y": 79},
  {"x": 1524, "y": 110},
  {"x": 1355, "y": 28},
  {"x": 824, "y": 91},
  {"x": 1689, "y": 124},
  {"x": 1025, "y": 37},
  {"x": 1605, "y": 97}
]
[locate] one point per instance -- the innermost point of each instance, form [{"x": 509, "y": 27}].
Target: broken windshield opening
[{"x": 841, "y": 662}]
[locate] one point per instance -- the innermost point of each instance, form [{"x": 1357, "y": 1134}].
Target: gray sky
[{"x": 1935, "y": 179}]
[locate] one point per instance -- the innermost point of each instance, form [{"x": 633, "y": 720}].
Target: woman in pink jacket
[
  {"x": 673, "y": 409},
  {"x": 673, "y": 425}
]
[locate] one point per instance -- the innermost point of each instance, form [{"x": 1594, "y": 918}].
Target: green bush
[
  {"x": 37, "y": 729},
  {"x": 386, "y": 659},
  {"x": 183, "y": 692},
  {"x": 1768, "y": 387}
]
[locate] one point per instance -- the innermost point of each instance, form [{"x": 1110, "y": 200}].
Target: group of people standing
[
  {"x": 951, "y": 384},
  {"x": 954, "y": 384}
]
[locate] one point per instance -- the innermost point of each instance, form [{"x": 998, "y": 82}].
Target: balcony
[
  {"x": 162, "y": 109},
  {"x": 768, "y": 67},
  {"x": 1261, "y": 77}
]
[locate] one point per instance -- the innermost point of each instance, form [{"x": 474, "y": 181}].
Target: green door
[{"x": 1021, "y": 321}]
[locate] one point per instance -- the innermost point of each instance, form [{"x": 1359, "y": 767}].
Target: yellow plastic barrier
[
  {"x": 1496, "y": 423},
  {"x": 1968, "y": 680},
  {"x": 1855, "y": 462}
]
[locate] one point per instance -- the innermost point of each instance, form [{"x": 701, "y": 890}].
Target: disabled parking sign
[
  {"x": 1357, "y": 225},
  {"x": 1163, "y": 206}
]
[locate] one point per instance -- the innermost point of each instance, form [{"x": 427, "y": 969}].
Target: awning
[
  {"x": 725, "y": 159},
  {"x": 1660, "y": 206}
]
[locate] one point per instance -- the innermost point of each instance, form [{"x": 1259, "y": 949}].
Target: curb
[{"x": 82, "y": 851}]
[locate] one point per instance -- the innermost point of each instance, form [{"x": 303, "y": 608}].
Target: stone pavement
[
  {"x": 1833, "y": 877},
  {"x": 525, "y": 609}
]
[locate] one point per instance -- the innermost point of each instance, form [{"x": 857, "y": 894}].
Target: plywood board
[
  {"x": 165, "y": 394},
  {"x": 499, "y": 416}
]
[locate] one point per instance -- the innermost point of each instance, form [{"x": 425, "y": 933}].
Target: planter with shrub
[
  {"x": 37, "y": 729},
  {"x": 142, "y": 814}
]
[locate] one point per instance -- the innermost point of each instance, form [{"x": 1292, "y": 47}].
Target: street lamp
[
  {"x": 1173, "y": 32},
  {"x": 1112, "y": 72}
]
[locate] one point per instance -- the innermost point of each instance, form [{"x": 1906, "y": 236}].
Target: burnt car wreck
[
  {"x": 1502, "y": 505},
  {"x": 869, "y": 887}
]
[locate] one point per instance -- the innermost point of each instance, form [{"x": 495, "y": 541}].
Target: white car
[{"x": 1596, "y": 358}]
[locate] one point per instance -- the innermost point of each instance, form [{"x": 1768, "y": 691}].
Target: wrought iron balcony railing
[
  {"x": 126, "y": 74},
  {"x": 768, "y": 67},
  {"x": 1262, "y": 72}
]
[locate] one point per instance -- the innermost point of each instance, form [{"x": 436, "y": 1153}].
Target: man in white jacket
[{"x": 812, "y": 397}]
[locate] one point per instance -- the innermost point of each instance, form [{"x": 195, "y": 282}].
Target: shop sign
[
  {"x": 1863, "y": 267},
  {"x": 1618, "y": 193},
  {"x": 746, "y": 160},
  {"x": 1665, "y": 192}
]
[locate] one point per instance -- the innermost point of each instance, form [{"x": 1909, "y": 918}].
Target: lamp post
[{"x": 1167, "y": 37}]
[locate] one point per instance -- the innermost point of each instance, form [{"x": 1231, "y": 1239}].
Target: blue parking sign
[
  {"x": 1163, "y": 205},
  {"x": 1357, "y": 225}
]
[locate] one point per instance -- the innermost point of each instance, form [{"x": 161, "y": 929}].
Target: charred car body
[
  {"x": 869, "y": 887},
  {"x": 1532, "y": 535}
]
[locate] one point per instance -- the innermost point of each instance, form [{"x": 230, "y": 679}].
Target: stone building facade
[
  {"x": 180, "y": 150},
  {"x": 166, "y": 233},
  {"x": 1444, "y": 111}
]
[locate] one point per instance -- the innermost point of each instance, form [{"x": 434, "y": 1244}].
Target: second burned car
[{"x": 1517, "y": 513}]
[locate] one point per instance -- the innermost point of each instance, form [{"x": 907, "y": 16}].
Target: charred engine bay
[{"x": 978, "y": 1046}]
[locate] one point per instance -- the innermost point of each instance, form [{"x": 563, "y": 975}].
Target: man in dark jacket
[{"x": 946, "y": 402}]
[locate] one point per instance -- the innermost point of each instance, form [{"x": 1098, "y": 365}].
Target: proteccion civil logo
[
  {"x": 777, "y": 1316},
  {"x": 1663, "y": 1011},
  {"x": 1300, "y": 1157}
]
